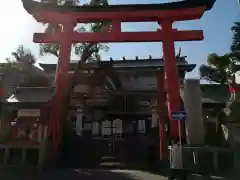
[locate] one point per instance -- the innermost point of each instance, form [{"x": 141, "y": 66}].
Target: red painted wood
[
  {"x": 120, "y": 36},
  {"x": 1, "y": 92},
  {"x": 172, "y": 77},
  {"x": 167, "y": 35},
  {"x": 135, "y": 16},
  {"x": 59, "y": 106},
  {"x": 161, "y": 112},
  {"x": 116, "y": 26}
]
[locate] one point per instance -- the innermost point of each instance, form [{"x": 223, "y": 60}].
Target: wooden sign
[{"x": 29, "y": 113}]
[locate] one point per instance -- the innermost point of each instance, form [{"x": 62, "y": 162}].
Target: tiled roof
[
  {"x": 140, "y": 64},
  {"x": 29, "y": 94},
  {"x": 211, "y": 93}
]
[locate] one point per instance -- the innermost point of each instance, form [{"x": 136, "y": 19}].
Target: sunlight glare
[{"x": 13, "y": 24}]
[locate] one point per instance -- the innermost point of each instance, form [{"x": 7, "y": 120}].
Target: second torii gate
[{"x": 164, "y": 14}]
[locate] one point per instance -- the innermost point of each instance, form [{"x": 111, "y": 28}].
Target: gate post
[
  {"x": 161, "y": 112},
  {"x": 61, "y": 85},
  {"x": 171, "y": 73}
]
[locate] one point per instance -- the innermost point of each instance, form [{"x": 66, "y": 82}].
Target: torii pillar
[
  {"x": 171, "y": 72},
  {"x": 62, "y": 83}
]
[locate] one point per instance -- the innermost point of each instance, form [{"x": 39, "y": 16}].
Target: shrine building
[{"x": 115, "y": 111}]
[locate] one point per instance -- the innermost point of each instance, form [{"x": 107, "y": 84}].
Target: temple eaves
[
  {"x": 209, "y": 96},
  {"x": 31, "y": 6},
  {"x": 121, "y": 65}
]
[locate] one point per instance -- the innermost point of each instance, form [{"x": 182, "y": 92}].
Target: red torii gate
[{"x": 164, "y": 14}]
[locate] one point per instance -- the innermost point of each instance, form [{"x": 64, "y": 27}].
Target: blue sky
[{"x": 17, "y": 27}]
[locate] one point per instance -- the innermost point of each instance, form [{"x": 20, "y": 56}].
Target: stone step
[
  {"x": 203, "y": 177},
  {"x": 109, "y": 159},
  {"x": 111, "y": 162}
]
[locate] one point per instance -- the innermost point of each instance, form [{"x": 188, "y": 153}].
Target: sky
[{"x": 17, "y": 27}]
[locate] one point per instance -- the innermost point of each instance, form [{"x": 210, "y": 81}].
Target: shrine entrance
[
  {"x": 126, "y": 138},
  {"x": 164, "y": 14},
  {"x": 123, "y": 138},
  {"x": 111, "y": 135}
]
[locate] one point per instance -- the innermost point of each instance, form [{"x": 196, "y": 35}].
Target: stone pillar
[{"x": 193, "y": 108}]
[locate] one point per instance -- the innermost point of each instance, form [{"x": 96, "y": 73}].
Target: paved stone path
[
  {"x": 97, "y": 174},
  {"x": 79, "y": 174}
]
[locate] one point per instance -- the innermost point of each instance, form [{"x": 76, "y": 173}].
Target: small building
[{"x": 22, "y": 127}]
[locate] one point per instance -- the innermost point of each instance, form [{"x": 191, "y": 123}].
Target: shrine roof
[
  {"x": 31, "y": 5},
  {"x": 31, "y": 95},
  {"x": 213, "y": 93},
  {"x": 131, "y": 65}
]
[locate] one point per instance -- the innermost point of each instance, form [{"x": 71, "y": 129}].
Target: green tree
[
  {"x": 22, "y": 55},
  {"x": 22, "y": 61},
  {"x": 219, "y": 68},
  {"x": 85, "y": 51},
  {"x": 236, "y": 37},
  {"x": 62, "y": 2}
]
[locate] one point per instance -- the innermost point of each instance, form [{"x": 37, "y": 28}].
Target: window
[
  {"x": 117, "y": 128},
  {"x": 106, "y": 129}
]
